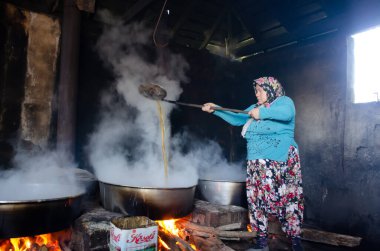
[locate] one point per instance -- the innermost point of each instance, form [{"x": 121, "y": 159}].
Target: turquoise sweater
[{"x": 272, "y": 135}]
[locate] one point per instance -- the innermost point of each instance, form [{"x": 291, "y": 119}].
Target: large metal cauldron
[
  {"x": 155, "y": 203},
  {"x": 30, "y": 217},
  {"x": 222, "y": 192}
]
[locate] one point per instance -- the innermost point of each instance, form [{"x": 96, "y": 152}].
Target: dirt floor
[{"x": 282, "y": 245}]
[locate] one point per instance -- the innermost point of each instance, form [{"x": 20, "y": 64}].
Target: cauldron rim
[
  {"x": 221, "y": 180},
  {"x": 76, "y": 194},
  {"x": 148, "y": 187}
]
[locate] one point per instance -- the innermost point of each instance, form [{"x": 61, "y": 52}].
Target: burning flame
[
  {"x": 164, "y": 244},
  {"x": 48, "y": 242},
  {"x": 170, "y": 226}
]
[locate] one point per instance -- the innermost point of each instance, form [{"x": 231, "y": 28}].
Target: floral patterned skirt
[{"x": 275, "y": 187}]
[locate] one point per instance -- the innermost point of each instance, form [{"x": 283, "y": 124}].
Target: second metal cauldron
[
  {"x": 30, "y": 217},
  {"x": 222, "y": 192},
  {"x": 155, "y": 203}
]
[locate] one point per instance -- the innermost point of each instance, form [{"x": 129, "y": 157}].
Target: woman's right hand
[{"x": 208, "y": 107}]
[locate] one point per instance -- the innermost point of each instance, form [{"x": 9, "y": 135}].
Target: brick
[{"x": 212, "y": 215}]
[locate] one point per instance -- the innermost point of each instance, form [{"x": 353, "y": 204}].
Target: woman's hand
[
  {"x": 254, "y": 113},
  {"x": 208, "y": 107}
]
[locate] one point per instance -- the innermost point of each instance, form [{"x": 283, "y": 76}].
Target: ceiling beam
[
  {"x": 215, "y": 25},
  {"x": 248, "y": 25},
  {"x": 136, "y": 9},
  {"x": 283, "y": 11},
  {"x": 189, "y": 7},
  {"x": 312, "y": 31}
]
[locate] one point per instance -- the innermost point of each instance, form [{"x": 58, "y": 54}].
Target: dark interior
[{"x": 227, "y": 44}]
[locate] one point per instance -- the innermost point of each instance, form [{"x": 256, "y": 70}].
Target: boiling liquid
[{"x": 162, "y": 126}]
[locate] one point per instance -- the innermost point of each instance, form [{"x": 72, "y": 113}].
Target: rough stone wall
[
  {"x": 42, "y": 54},
  {"x": 29, "y": 52}
]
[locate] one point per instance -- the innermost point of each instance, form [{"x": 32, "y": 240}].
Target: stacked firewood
[
  {"x": 204, "y": 237},
  {"x": 210, "y": 226}
]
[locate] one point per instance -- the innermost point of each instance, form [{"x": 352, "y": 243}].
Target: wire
[{"x": 155, "y": 28}]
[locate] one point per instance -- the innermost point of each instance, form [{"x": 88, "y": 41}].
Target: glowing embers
[
  {"x": 171, "y": 237},
  {"x": 45, "y": 242}
]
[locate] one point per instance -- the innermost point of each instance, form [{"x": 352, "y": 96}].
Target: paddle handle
[{"x": 200, "y": 106}]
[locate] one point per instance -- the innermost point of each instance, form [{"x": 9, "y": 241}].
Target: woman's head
[{"x": 267, "y": 89}]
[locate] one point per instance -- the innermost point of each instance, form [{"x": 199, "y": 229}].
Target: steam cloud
[
  {"x": 39, "y": 176},
  {"x": 125, "y": 147}
]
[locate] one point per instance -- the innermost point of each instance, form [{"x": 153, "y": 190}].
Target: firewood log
[
  {"x": 330, "y": 238},
  {"x": 174, "y": 242},
  {"x": 204, "y": 231}
]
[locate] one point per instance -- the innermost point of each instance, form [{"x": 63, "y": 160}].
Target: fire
[
  {"x": 170, "y": 227},
  {"x": 164, "y": 244},
  {"x": 43, "y": 242}
]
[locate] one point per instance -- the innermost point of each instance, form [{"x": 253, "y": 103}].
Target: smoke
[
  {"x": 126, "y": 146},
  {"x": 207, "y": 157},
  {"x": 38, "y": 176}
]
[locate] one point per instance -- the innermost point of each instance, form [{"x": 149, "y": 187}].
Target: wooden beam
[
  {"x": 189, "y": 7},
  {"x": 283, "y": 11},
  {"x": 302, "y": 35},
  {"x": 213, "y": 28},
  {"x": 135, "y": 9},
  {"x": 67, "y": 89},
  {"x": 242, "y": 23}
]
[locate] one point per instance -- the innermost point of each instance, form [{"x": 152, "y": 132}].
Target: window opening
[{"x": 366, "y": 66}]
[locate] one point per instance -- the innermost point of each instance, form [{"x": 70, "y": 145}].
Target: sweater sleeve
[
  {"x": 282, "y": 109},
  {"x": 235, "y": 119}
]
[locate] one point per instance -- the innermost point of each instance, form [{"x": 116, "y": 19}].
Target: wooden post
[{"x": 67, "y": 89}]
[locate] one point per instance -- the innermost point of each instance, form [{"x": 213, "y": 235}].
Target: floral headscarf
[{"x": 271, "y": 86}]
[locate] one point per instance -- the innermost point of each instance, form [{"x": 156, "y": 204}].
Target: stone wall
[{"x": 29, "y": 52}]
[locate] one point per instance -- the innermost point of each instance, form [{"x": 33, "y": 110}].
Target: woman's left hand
[{"x": 254, "y": 113}]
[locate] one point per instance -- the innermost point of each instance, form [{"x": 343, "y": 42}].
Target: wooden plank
[
  {"x": 319, "y": 236},
  {"x": 330, "y": 238}
]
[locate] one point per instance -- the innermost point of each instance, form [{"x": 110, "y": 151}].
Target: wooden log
[
  {"x": 174, "y": 242},
  {"x": 204, "y": 231},
  {"x": 209, "y": 244},
  {"x": 195, "y": 227},
  {"x": 319, "y": 236},
  {"x": 330, "y": 238},
  {"x": 236, "y": 235},
  {"x": 233, "y": 226}
]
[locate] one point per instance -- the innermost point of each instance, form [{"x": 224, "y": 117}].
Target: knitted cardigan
[{"x": 271, "y": 136}]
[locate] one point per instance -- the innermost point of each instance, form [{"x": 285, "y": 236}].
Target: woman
[{"x": 274, "y": 184}]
